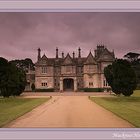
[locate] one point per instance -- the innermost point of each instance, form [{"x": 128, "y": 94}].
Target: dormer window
[{"x": 44, "y": 69}]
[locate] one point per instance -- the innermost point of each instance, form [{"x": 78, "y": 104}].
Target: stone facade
[{"x": 71, "y": 72}]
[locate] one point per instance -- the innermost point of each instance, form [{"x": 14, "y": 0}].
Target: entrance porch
[{"x": 68, "y": 84}]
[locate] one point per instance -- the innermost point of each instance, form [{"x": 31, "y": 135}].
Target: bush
[
  {"x": 93, "y": 89},
  {"x": 33, "y": 86},
  {"x": 45, "y": 90}
]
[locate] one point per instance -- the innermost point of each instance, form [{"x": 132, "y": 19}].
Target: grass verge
[
  {"x": 12, "y": 108},
  {"x": 127, "y": 108}
]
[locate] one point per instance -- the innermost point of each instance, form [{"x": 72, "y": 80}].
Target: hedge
[
  {"x": 95, "y": 89},
  {"x": 45, "y": 90}
]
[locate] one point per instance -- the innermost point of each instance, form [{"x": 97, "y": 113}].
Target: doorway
[{"x": 68, "y": 84}]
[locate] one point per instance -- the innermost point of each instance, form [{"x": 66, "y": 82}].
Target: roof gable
[
  {"x": 106, "y": 56},
  {"x": 90, "y": 59},
  {"x": 68, "y": 60}
]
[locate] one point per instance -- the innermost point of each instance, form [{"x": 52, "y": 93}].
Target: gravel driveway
[{"x": 69, "y": 111}]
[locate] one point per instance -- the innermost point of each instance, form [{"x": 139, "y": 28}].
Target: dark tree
[
  {"x": 121, "y": 77},
  {"x": 24, "y": 64},
  {"x": 12, "y": 79},
  {"x": 132, "y": 57},
  {"x": 4, "y": 68}
]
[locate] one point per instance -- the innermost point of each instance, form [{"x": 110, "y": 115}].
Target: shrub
[
  {"x": 45, "y": 90},
  {"x": 93, "y": 89},
  {"x": 33, "y": 86}
]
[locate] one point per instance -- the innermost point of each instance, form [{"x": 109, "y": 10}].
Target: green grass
[
  {"x": 127, "y": 108},
  {"x": 13, "y": 108}
]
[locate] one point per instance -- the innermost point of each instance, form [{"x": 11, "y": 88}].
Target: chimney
[
  {"x": 95, "y": 51},
  {"x": 56, "y": 52},
  {"x": 79, "y": 52},
  {"x": 73, "y": 54},
  {"x": 39, "y": 53},
  {"x": 62, "y": 54}
]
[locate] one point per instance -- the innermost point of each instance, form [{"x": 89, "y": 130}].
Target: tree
[
  {"x": 121, "y": 77},
  {"x": 132, "y": 57},
  {"x": 24, "y": 64},
  {"x": 12, "y": 79},
  {"x": 18, "y": 78},
  {"x": 4, "y": 67}
]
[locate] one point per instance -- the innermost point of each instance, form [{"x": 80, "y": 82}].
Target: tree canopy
[
  {"x": 132, "y": 57},
  {"x": 24, "y": 64},
  {"x": 12, "y": 79},
  {"x": 121, "y": 77}
]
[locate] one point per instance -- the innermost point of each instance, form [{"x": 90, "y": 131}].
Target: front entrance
[{"x": 68, "y": 84}]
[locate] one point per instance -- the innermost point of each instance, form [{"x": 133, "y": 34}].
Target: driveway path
[{"x": 69, "y": 111}]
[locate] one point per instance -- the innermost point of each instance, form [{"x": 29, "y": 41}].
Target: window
[
  {"x": 105, "y": 83},
  {"x": 90, "y": 83},
  {"x": 68, "y": 69},
  {"x": 44, "y": 69},
  {"x": 44, "y": 84},
  {"x": 77, "y": 84},
  {"x": 90, "y": 68},
  {"x": 80, "y": 70}
]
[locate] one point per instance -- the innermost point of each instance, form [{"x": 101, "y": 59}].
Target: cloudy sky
[{"x": 22, "y": 33}]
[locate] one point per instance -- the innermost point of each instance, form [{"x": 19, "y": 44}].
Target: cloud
[{"x": 22, "y": 33}]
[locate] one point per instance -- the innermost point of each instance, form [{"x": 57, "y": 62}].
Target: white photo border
[{"x": 69, "y": 6}]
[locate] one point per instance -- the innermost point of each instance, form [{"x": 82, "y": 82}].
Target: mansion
[{"x": 71, "y": 73}]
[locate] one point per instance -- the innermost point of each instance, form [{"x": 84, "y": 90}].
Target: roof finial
[
  {"x": 62, "y": 54},
  {"x": 73, "y": 54},
  {"x": 79, "y": 52},
  {"x": 56, "y": 52}
]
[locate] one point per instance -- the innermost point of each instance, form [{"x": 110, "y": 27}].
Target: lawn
[
  {"x": 127, "y": 108},
  {"x": 13, "y": 108}
]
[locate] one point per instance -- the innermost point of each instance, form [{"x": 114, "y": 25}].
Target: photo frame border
[{"x": 69, "y": 133}]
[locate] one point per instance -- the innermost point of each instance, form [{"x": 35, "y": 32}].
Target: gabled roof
[
  {"x": 106, "y": 56},
  {"x": 45, "y": 61},
  {"x": 68, "y": 60},
  {"x": 90, "y": 59},
  {"x": 44, "y": 57}
]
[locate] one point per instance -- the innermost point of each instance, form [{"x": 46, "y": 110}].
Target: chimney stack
[
  {"x": 79, "y": 52},
  {"x": 73, "y": 54},
  {"x": 39, "y": 53},
  {"x": 56, "y": 52}
]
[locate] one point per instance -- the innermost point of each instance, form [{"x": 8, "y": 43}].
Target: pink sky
[{"x": 22, "y": 33}]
